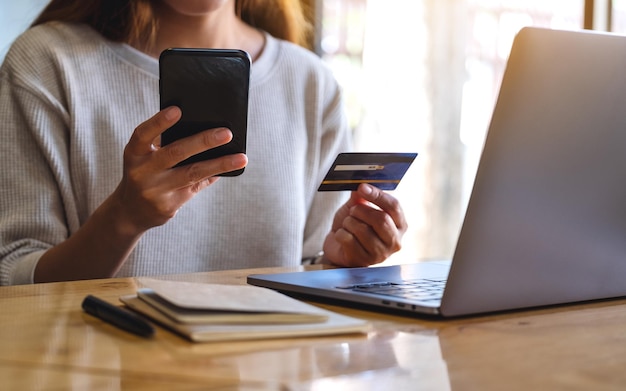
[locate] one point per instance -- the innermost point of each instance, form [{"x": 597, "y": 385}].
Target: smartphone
[{"x": 211, "y": 88}]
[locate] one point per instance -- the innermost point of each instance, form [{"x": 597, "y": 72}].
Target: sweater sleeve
[{"x": 32, "y": 214}]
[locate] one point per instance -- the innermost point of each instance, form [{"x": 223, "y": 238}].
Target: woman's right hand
[
  {"x": 152, "y": 190},
  {"x": 150, "y": 193}
]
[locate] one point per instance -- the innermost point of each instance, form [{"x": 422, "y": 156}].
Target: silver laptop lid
[{"x": 546, "y": 221}]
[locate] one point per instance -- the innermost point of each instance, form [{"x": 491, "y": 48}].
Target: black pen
[{"x": 117, "y": 316}]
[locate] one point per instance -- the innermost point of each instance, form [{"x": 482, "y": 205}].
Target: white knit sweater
[{"x": 69, "y": 101}]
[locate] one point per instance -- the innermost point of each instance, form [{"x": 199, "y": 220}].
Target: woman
[{"x": 86, "y": 196}]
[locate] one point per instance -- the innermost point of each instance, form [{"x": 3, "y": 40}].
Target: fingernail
[
  {"x": 367, "y": 189},
  {"x": 239, "y": 160},
  {"x": 221, "y": 134},
  {"x": 170, "y": 113}
]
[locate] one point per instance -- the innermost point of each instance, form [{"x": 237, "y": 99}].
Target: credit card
[{"x": 383, "y": 170}]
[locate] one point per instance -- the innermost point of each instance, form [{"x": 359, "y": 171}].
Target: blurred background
[{"x": 418, "y": 76}]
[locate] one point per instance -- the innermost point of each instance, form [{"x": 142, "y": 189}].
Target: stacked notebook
[{"x": 214, "y": 312}]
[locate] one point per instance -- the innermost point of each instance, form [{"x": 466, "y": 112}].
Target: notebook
[
  {"x": 194, "y": 303},
  {"x": 213, "y": 312},
  {"x": 546, "y": 219}
]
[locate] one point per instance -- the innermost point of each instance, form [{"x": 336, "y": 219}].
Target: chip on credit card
[{"x": 383, "y": 170}]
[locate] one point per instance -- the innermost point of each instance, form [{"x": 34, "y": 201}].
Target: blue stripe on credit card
[{"x": 383, "y": 170}]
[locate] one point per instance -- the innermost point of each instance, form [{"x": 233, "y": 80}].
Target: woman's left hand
[{"x": 366, "y": 230}]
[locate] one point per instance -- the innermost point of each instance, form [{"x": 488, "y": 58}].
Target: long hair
[{"x": 134, "y": 21}]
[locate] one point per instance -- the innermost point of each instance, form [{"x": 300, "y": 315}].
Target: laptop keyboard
[{"x": 421, "y": 289}]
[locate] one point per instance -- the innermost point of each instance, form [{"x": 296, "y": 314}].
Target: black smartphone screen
[{"x": 211, "y": 88}]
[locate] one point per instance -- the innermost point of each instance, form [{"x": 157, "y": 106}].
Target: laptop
[{"x": 546, "y": 220}]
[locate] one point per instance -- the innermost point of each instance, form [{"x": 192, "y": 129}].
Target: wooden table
[{"x": 48, "y": 343}]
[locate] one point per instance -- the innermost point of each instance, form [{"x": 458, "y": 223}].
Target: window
[
  {"x": 422, "y": 76},
  {"x": 15, "y": 16},
  {"x": 618, "y": 16}
]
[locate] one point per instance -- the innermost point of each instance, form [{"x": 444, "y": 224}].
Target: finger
[
  {"x": 191, "y": 175},
  {"x": 376, "y": 242},
  {"x": 181, "y": 149},
  {"x": 378, "y": 221},
  {"x": 141, "y": 142},
  {"x": 199, "y": 186},
  {"x": 344, "y": 210},
  {"x": 385, "y": 202},
  {"x": 354, "y": 254}
]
